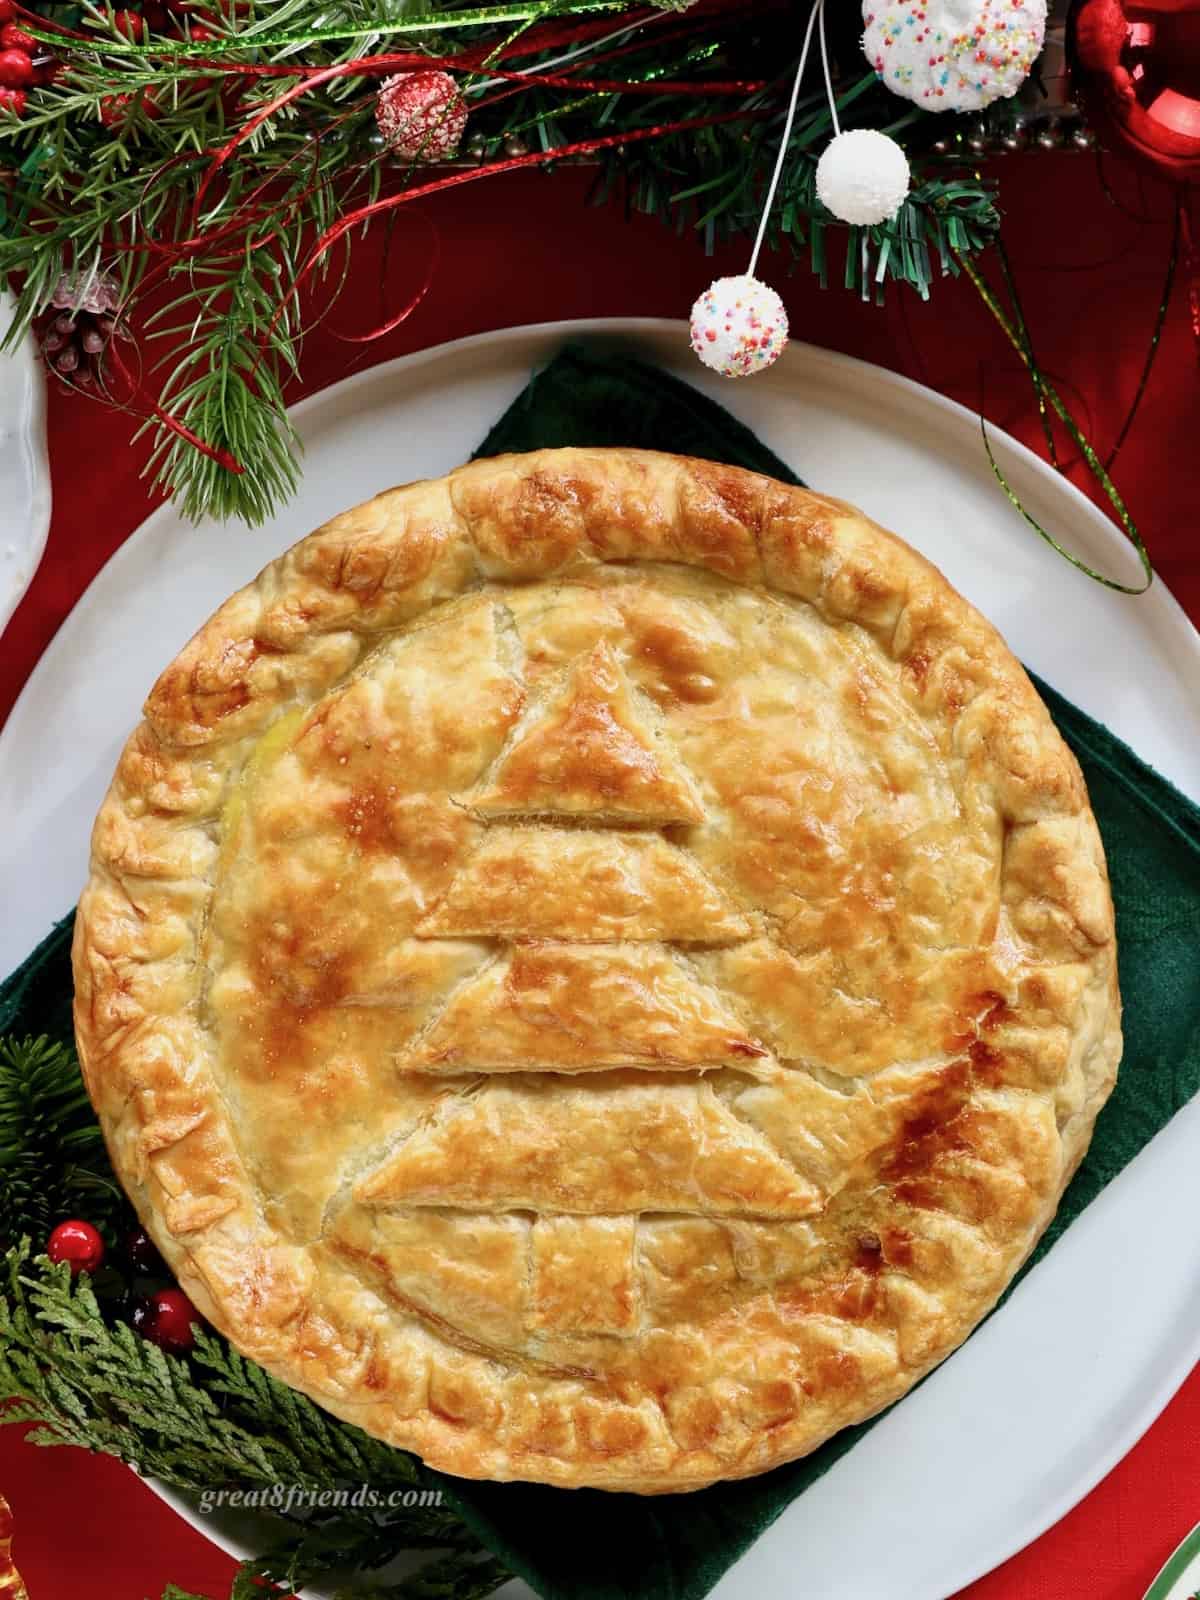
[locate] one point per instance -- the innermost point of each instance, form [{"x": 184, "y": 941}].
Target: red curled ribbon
[{"x": 535, "y": 158}]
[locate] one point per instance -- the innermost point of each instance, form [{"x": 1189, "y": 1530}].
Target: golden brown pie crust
[{"x": 597, "y": 969}]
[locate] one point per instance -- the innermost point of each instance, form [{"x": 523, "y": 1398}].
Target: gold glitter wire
[
  {"x": 1160, "y": 318},
  {"x": 11, "y": 1585},
  {"x": 818, "y": 10},
  {"x": 1035, "y": 372},
  {"x": 1018, "y": 338}
]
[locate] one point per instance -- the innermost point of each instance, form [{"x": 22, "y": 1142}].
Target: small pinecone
[{"x": 74, "y": 330}]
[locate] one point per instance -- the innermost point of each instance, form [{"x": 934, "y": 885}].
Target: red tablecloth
[{"x": 524, "y": 249}]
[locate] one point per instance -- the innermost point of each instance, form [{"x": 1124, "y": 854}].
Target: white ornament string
[
  {"x": 817, "y": 10},
  {"x": 832, "y": 98},
  {"x": 739, "y": 325}
]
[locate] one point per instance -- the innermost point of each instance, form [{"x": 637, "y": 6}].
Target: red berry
[
  {"x": 16, "y": 69},
  {"x": 155, "y": 15},
  {"x": 14, "y": 37},
  {"x": 12, "y": 100},
  {"x": 8, "y": 10},
  {"x": 199, "y": 34},
  {"x": 130, "y": 23},
  {"x": 143, "y": 1254},
  {"x": 115, "y": 108},
  {"x": 78, "y": 1243},
  {"x": 175, "y": 1316},
  {"x": 166, "y": 1318}
]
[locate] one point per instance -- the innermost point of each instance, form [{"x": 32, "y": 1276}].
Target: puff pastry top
[{"x": 597, "y": 969}]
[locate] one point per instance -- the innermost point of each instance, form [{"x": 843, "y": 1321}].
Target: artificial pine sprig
[{"x": 53, "y": 1163}]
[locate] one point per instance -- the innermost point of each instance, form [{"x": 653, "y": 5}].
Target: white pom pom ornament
[
  {"x": 739, "y": 326},
  {"x": 953, "y": 55},
  {"x": 863, "y": 176}
]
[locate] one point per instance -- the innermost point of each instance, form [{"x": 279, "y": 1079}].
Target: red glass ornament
[
  {"x": 167, "y": 1319},
  {"x": 77, "y": 1243},
  {"x": 16, "y": 69},
  {"x": 14, "y": 37},
  {"x": 12, "y": 100},
  {"x": 1135, "y": 70}
]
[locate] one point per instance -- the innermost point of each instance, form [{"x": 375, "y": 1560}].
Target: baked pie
[{"x": 597, "y": 969}]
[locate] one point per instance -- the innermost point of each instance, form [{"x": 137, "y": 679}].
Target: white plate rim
[
  {"x": 23, "y": 401},
  {"x": 1184, "y": 637}
]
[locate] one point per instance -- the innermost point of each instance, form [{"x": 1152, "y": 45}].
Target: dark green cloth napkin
[{"x": 584, "y": 1545}]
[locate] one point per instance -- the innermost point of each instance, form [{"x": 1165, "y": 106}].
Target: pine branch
[
  {"x": 53, "y": 1163},
  {"x": 448, "y": 1579},
  {"x": 227, "y": 390},
  {"x": 343, "y": 1546},
  {"x": 321, "y": 1448}
]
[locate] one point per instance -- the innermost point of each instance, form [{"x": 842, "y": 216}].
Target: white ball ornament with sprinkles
[
  {"x": 863, "y": 177},
  {"x": 739, "y": 326},
  {"x": 421, "y": 115},
  {"x": 953, "y": 55}
]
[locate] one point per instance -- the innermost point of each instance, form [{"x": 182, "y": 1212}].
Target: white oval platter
[{"x": 1048, "y": 1395}]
